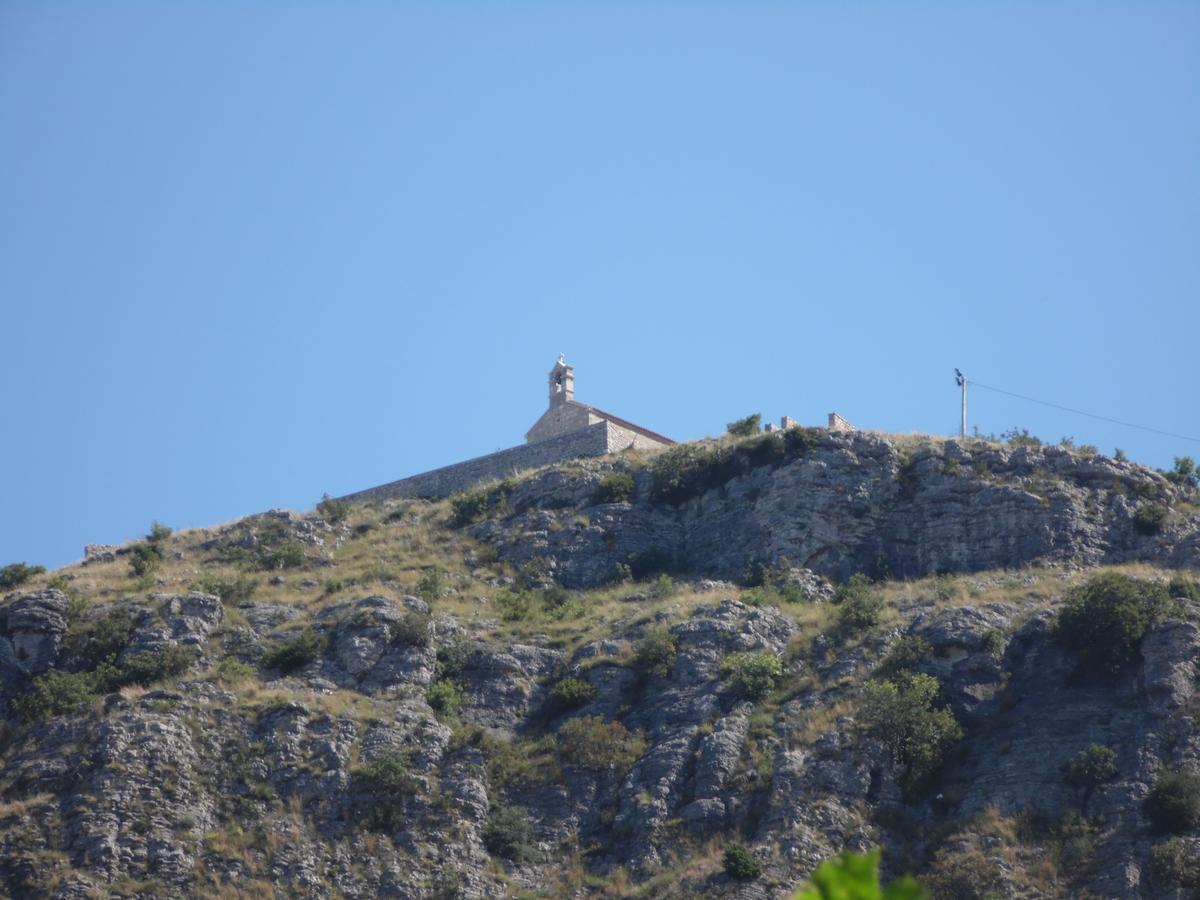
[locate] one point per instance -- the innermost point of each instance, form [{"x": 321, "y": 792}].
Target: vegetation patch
[
  {"x": 900, "y": 713},
  {"x": 413, "y": 629},
  {"x": 432, "y": 584},
  {"x": 1090, "y": 768},
  {"x": 148, "y": 668},
  {"x": 753, "y": 676},
  {"x": 1174, "y": 863},
  {"x": 57, "y": 692},
  {"x": 509, "y": 834},
  {"x": 690, "y": 470},
  {"x": 1150, "y": 518},
  {"x": 859, "y": 605},
  {"x": 655, "y": 654},
  {"x": 740, "y": 865},
  {"x": 97, "y": 639},
  {"x": 554, "y": 603},
  {"x": 16, "y": 574},
  {"x": 1183, "y": 588},
  {"x": 381, "y": 787},
  {"x": 1184, "y": 473},
  {"x": 445, "y": 697},
  {"x": 567, "y": 694},
  {"x": 331, "y": 510},
  {"x": 297, "y": 652},
  {"x": 474, "y": 506},
  {"x": 591, "y": 743},
  {"x": 232, "y": 590},
  {"x": 615, "y": 488},
  {"x": 752, "y": 424},
  {"x": 1104, "y": 620},
  {"x": 1173, "y": 804},
  {"x": 906, "y": 654}
]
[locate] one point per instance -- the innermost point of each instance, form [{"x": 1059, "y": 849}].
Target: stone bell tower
[{"x": 562, "y": 383}]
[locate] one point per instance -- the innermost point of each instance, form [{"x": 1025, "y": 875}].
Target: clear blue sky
[{"x": 251, "y": 252}]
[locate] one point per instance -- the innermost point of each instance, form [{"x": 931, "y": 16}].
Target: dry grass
[{"x": 17, "y": 808}]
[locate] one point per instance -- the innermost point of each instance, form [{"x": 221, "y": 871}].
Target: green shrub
[
  {"x": 591, "y": 743},
  {"x": 615, "y": 488},
  {"x": 900, "y": 714},
  {"x": 474, "y": 506},
  {"x": 763, "y": 450},
  {"x": 99, "y": 639},
  {"x": 648, "y": 562},
  {"x": 798, "y": 441},
  {"x": 230, "y": 670},
  {"x": 1150, "y": 518},
  {"x": 1173, "y": 863},
  {"x": 445, "y": 697},
  {"x": 288, "y": 554},
  {"x": 855, "y": 876},
  {"x": 15, "y": 574},
  {"x": 380, "y": 787},
  {"x": 752, "y": 424},
  {"x": 663, "y": 587},
  {"x": 568, "y": 693},
  {"x": 144, "y": 558},
  {"x": 555, "y": 597},
  {"x": 655, "y": 654},
  {"x": 159, "y": 532},
  {"x": 1184, "y": 472},
  {"x": 234, "y": 590},
  {"x": 413, "y": 629},
  {"x": 509, "y": 834},
  {"x": 1020, "y": 438},
  {"x": 432, "y": 584},
  {"x": 297, "y": 652},
  {"x": 1091, "y": 767},
  {"x": 1183, "y": 588},
  {"x": 332, "y": 510},
  {"x": 906, "y": 654},
  {"x": 155, "y": 665},
  {"x": 514, "y": 606},
  {"x": 55, "y": 693},
  {"x": 740, "y": 865},
  {"x": 859, "y": 607},
  {"x": 468, "y": 508},
  {"x": 689, "y": 470},
  {"x": 1104, "y": 621},
  {"x": 753, "y": 675},
  {"x": 555, "y": 603},
  {"x": 758, "y": 574},
  {"x": 452, "y": 658},
  {"x": 1173, "y": 804}
]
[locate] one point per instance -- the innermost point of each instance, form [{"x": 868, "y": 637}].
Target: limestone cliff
[{"x": 592, "y": 680}]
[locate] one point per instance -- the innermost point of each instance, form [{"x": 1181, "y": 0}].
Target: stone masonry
[{"x": 568, "y": 429}]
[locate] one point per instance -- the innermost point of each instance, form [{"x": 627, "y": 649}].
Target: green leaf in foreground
[{"x": 855, "y": 876}]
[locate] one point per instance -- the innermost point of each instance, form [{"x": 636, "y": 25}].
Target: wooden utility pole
[{"x": 961, "y": 381}]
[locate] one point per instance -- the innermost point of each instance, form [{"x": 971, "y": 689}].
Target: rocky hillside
[{"x": 696, "y": 673}]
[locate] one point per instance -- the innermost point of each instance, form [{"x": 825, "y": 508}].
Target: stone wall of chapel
[{"x": 590, "y": 440}]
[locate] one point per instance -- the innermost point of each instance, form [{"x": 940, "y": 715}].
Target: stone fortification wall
[
  {"x": 837, "y": 423},
  {"x": 626, "y": 439},
  {"x": 594, "y": 440}
]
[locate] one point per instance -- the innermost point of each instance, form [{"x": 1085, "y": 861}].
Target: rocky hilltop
[{"x": 698, "y": 672}]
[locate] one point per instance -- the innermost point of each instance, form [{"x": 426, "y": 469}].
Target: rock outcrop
[
  {"x": 400, "y": 704},
  {"x": 857, "y": 503}
]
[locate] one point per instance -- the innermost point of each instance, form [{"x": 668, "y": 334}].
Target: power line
[{"x": 1079, "y": 412}]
